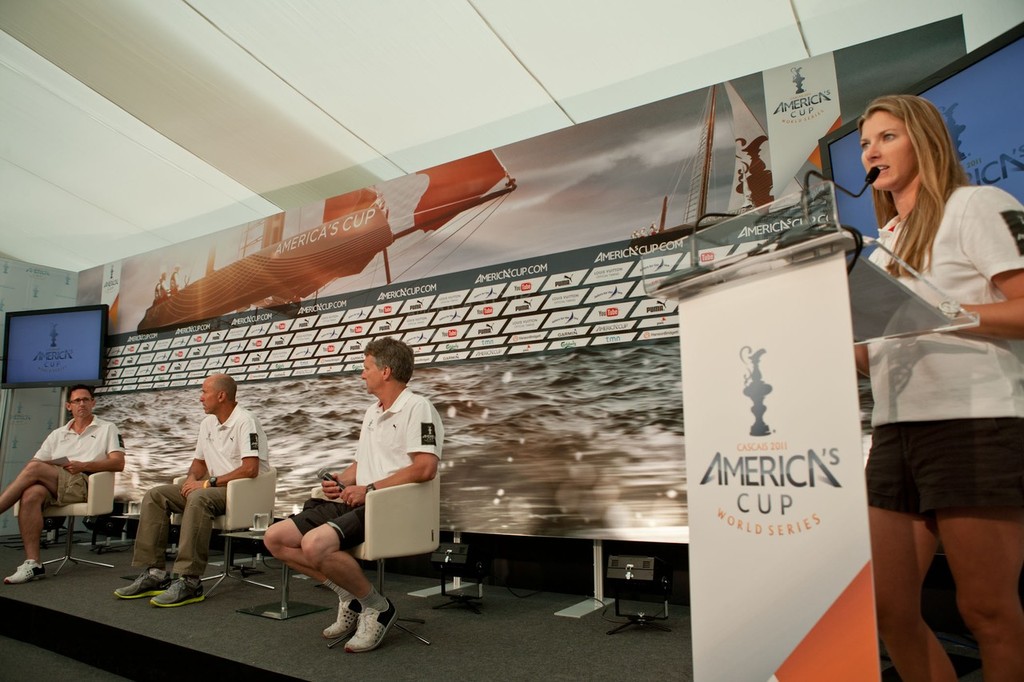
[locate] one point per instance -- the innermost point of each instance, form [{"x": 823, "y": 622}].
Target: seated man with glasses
[{"x": 57, "y": 473}]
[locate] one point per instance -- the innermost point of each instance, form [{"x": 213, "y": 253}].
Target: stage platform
[
  {"x": 71, "y": 625},
  {"x": 76, "y": 615}
]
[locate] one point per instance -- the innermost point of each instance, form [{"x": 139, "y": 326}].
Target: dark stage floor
[{"x": 514, "y": 637}]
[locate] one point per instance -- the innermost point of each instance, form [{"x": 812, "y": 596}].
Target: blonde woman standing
[{"x": 947, "y": 456}]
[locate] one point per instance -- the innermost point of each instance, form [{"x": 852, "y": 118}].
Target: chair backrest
[
  {"x": 246, "y": 497},
  {"x": 99, "y": 500},
  {"x": 249, "y": 496},
  {"x": 403, "y": 520}
]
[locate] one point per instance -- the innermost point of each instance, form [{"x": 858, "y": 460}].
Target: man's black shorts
[{"x": 346, "y": 521}]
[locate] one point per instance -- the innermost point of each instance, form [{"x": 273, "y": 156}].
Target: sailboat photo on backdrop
[{"x": 356, "y": 229}]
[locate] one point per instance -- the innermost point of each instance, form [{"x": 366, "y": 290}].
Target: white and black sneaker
[
  {"x": 29, "y": 570},
  {"x": 348, "y": 619},
  {"x": 373, "y": 625}
]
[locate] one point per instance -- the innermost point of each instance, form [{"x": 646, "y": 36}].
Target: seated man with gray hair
[{"x": 400, "y": 442}]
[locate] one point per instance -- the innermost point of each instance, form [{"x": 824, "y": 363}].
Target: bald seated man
[{"x": 231, "y": 445}]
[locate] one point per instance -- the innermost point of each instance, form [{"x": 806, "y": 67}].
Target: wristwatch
[
  {"x": 370, "y": 487},
  {"x": 212, "y": 481}
]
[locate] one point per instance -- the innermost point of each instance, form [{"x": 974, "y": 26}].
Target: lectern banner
[{"x": 780, "y": 563}]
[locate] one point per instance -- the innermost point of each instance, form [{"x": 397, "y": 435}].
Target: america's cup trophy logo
[
  {"x": 798, "y": 79},
  {"x": 755, "y": 388}
]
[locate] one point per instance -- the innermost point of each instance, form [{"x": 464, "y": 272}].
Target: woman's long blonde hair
[{"x": 939, "y": 169}]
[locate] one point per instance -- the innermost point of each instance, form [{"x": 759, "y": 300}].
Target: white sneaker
[
  {"x": 27, "y": 571},
  {"x": 373, "y": 625},
  {"x": 348, "y": 619}
]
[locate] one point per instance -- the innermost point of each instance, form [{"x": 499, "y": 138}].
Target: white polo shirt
[
  {"x": 98, "y": 440},
  {"x": 953, "y": 375},
  {"x": 222, "y": 446},
  {"x": 389, "y": 437}
]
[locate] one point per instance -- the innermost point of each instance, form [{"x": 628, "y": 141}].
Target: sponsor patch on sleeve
[
  {"x": 428, "y": 436},
  {"x": 254, "y": 441},
  {"x": 1015, "y": 221}
]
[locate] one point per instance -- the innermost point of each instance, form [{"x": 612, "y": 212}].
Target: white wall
[{"x": 28, "y": 414}]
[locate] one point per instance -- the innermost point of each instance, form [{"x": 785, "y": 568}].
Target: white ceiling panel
[
  {"x": 169, "y": 67},
  {"x": 45, "y": 224},
  {"x": 75, "y": 162},
  {"x": 600, "y": 58},
  {"x": 397, "y": 73}
]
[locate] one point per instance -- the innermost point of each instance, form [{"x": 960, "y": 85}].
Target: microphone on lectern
[
  {"x": 805, "y": 195},
  {"x": 868, "y": 181},
  {"x": 805, "y": 200}
]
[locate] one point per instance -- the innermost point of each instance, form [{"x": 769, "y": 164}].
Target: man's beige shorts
[{"x": 71, "y": 488}]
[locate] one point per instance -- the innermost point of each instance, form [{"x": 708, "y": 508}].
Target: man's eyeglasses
[{"x": 81, "y": 401}]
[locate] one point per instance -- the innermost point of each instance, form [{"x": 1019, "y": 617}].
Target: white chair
[
  {"x": 246, "y": 497},
  {"x": 403, "y": 520},
  {"x": 99, "y": 500}
]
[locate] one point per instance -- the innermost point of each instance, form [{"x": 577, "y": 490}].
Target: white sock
[
  {"x": 343, "y": 594},
  {"x": 374, "y": 600},
  {"x": 158, "y": 573}
]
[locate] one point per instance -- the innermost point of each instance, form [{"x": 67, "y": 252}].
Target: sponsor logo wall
[{"x": 590, "y": 297}]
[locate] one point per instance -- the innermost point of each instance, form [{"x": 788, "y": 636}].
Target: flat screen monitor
[
  {"x": 55, "y": 347},
  {"x": 982, "y": 101}
]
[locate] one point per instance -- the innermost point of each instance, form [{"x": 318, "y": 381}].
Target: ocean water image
[{"x": 587, "y": 443}]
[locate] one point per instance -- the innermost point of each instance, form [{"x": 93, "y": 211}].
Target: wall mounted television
[
  {"x": 982, "y": 101},
  {"x": 55, "y": 347}
]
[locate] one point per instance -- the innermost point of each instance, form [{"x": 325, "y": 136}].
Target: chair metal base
[
  {"x": 277, "y": 611},
  {"x": 285, "y": 609},
  {"x": 67, "y": 551},
  {"x": 226, "y": 573}
]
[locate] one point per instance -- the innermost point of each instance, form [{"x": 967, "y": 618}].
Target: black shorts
[
  {"x": 919, "y": 467},
  {"x": 347, "y": 522}
]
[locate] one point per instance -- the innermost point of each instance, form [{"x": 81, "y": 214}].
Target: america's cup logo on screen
[{"x": 51, "y": 357}]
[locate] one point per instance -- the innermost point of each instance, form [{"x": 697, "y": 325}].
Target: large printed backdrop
[
  {"x": 579, "y": 444},
  {"x": 565, "y": 421}
]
